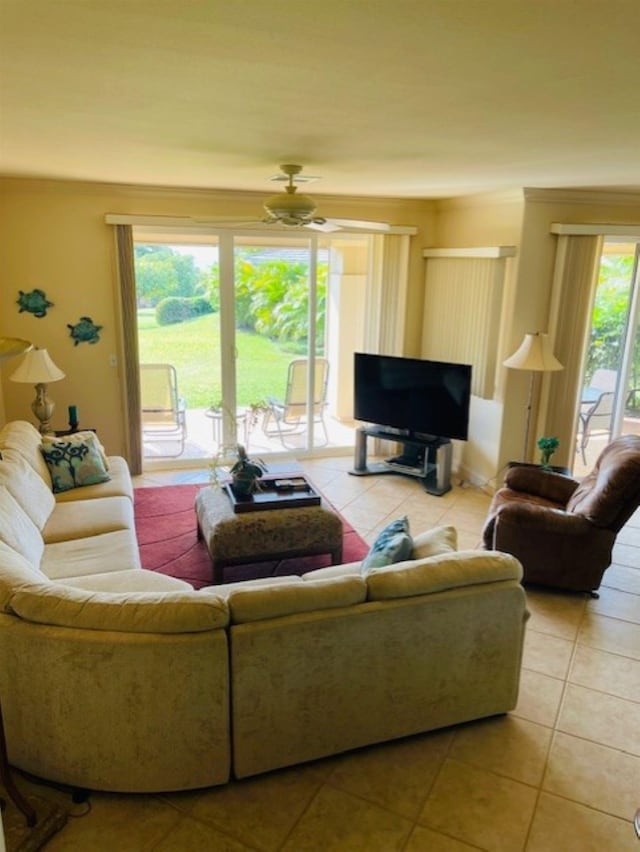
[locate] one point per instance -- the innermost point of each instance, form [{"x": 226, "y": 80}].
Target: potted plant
[
  {"x": 547, "y": 447},
  {"x": 246, "y": 472}
]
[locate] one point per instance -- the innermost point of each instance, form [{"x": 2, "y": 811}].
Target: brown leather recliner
[{"x": 563, "y": 530}]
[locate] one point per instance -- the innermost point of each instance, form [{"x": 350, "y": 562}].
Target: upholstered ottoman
[{"x": 237, "y": 539}]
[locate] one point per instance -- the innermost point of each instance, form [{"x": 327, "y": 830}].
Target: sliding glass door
[
  {"x": 279, "y": 297},
  {"x": 258, "y": 330},
  {"x": 610, "y": 398}
]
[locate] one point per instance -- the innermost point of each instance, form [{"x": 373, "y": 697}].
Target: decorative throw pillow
[
  {"x": 434, "y": 542},
  {"x": 75, "y": 463},
  {"x": 79, "y": 438},
  {"x": 393, "y": 544}
]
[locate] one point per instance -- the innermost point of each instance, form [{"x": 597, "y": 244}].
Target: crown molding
[
  {"x": 480, "y": 199},
  {"x": 582, "y": 196},
  {"x": 142, "y": 189},
  {"x": 595, "y": 230}
]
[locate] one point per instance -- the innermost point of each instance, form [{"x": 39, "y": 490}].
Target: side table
[
  {"x": 62, "y": 433},
  {"x": 241, "y": 423},
  {"x": 563, "y": 471}
]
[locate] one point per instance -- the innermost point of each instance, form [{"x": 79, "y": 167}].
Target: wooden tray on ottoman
[{"x": 273, "y": 495}]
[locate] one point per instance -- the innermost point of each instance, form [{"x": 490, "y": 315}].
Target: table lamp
[
  {"x": 38, "y": 369},
  {"x": 533, "y": 354}
]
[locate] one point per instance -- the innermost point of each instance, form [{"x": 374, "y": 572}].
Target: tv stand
[{"x": 428, "y": 458}]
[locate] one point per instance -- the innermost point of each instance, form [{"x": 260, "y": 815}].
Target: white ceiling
[{"x": 405, "y": 98}]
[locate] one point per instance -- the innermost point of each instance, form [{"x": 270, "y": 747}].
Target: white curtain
[
  {"x": 387, "y": 300},
  {"x": 574, "y": 283},
  {"x": 387, "y": 295},
  {"x": 131, "y": 372}
]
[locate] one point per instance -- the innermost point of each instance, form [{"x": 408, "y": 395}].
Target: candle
[{"x": 73, "y": 415}]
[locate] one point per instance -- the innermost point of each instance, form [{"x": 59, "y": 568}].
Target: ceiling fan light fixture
[{"x": 290, "y": 205}]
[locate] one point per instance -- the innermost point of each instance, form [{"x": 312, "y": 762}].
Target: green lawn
[{"x": 193, "y": 347}]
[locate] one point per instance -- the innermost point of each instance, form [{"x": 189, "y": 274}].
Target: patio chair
[
  {"x": 596, "y": 408},
  {"x": 290, "y": 414},
  {"x": 163, "y": 412}
]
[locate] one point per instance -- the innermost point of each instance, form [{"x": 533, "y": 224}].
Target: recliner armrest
[{"x": 541, "y": 483}]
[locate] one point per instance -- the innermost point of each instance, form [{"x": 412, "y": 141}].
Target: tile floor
[{"x": 561, "y": 773}]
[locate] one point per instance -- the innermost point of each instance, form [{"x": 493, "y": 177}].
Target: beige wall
[
  {"x": 543, "y": 208},
  {"x": 522, "y": 219},
  {"x": 487, "y": 220},
  {"x": 55, "y": 238}
]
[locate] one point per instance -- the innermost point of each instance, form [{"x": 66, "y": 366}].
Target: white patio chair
[
  {"x": 163, "y": 412},
  {"x": 290, "y": 414},
  {"x": 596, "y": 408}
]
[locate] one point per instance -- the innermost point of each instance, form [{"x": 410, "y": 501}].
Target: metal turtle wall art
[
  {"x": 85, "y": 331},
  {"x": 35, "y": 303}
]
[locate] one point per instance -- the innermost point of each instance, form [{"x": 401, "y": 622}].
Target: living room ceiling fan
[{"x": 297, "y": 210}]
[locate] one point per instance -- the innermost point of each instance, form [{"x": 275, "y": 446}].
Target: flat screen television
[{"x": 415, "y": 396}]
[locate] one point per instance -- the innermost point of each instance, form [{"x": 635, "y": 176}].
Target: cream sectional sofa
[{"x": 116, "y": 678}]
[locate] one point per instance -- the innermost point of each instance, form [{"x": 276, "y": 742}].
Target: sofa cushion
[
  {"x": 23, "y": 437},
  {"x": 120, "y": 485},
  {"x": 82, "y": 518},
  {"x": 26, "y": 487},
  {"x": 18, "y": 530},
  {"x": 97, "y": 554},
  {"x": 73, "y": 464},
  {"x": 133, "y": 580},
  {"x": 223, "y": 590},
  {"x": 15, "y": 571},
  {"x": 332, "y": 571},
  {"x": 393, "y": 544},
  {"x": 134, "y": 612},
  {"x": 297, "y": 596},
  {"x": 439, "y": 573},
  {"x": 434, "y": 541}
]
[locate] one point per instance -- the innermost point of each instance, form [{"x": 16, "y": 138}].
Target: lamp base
[{"x": 43, "y": 409}]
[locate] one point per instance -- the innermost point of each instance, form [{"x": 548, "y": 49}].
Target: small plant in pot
[
  {"x": 547, "y": 447},
  {"x": 246, "y": 472}
]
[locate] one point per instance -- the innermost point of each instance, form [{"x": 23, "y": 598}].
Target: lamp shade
[
  {"x": 534, "y": 353},
  {"x": 37, "y": 368}
]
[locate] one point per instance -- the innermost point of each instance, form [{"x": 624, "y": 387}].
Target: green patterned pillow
[
  {"x": 74, "y": 463},
  {"x": 78, "y": 438}
]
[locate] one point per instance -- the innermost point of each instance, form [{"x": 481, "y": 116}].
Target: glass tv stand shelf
[{"x": 428, "y": 458}]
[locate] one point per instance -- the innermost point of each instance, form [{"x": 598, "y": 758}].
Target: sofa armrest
[
  {"x": 525, "y": 528},
  {"x": 541, "y": 483},
  {"x": 530, "y": 521}
]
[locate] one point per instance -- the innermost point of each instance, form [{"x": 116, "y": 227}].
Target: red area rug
[{"x": 166, "y": 529}]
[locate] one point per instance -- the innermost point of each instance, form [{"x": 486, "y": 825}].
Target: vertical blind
[{"x": 463, "y": 310}]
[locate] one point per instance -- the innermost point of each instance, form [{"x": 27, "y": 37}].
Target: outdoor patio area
[
  {"x": 204, "y": 435},
  {"x": 203, "y": 439}
]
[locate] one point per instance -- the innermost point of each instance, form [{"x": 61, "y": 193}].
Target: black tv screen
[{"x": 416, "y": 396}]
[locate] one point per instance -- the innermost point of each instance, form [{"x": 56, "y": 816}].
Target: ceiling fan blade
[
  {"x": 327, "y": 227},
  {"x": 360, "y": 223},
  {"x": 282, "y": 178}
]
